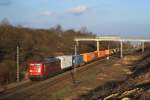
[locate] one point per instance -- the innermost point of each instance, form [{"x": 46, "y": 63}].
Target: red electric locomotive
[{"x": 44, "y": 69}]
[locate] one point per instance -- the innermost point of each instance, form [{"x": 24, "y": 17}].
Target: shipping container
[
  {"x": 93, "y": 57},
  {"x": 96, "y": 54},
  {"x": 102, "y": 53},
  {"x": 78, "y": 60},
  {"x": 111, "y": 52},
  {"x": 107, "y": 52},
  {"x": 118, "y": 49},
  {"x": 87, "y": 57},
  {"x": 66, "y": 61},
  {"x": 115, "y": 50}
]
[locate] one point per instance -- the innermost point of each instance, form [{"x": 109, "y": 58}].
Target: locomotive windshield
[{"x": 36, "y": 65}]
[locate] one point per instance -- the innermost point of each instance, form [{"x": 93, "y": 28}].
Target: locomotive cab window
[{"x": 38, "y": 65}]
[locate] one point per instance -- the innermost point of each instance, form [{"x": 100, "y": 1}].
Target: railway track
[
  {"x": 28, "y": 91},
  {"x": 31, "y": 87},
  {"x": 20, "y": 87}
]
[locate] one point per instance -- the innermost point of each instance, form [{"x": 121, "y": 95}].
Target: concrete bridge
[{"x": 113, "y": 39}]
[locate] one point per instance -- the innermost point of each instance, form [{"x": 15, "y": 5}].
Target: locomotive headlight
[
  {"x": 39, "y": 70},
  {"x": 30, "y": 71}
]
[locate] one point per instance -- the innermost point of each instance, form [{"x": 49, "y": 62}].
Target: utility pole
[
  {"x": 75, "y": 53},
  {"x": 108, "y": 57},
  {"x": 74, "y": 65},
  {"x": 143, "y": 46},
  {"x": 18, "y": 72}
]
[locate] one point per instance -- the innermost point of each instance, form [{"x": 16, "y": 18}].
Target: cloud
[
  {"x": 48, "y": 13},
  {"x": 5, "y": 2},
  {"x": 79, "y": 10}
]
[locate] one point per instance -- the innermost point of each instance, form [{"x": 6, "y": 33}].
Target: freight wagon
[
  {"x": 78, "y": 60},
  {"x": 88, "y": 57},
  {"x": 54, "y": 65},
  {"x": 65, "y": 61}
]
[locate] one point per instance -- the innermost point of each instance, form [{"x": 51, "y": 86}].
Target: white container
[{"x": 66, "y": 61}]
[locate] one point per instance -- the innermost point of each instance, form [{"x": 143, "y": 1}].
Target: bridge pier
[
  {"x": 97, "y": 45},
  {"x": 121, "y": 49}
]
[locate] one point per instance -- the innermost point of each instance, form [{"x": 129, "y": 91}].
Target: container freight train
[{"x": 54, "y": 65}]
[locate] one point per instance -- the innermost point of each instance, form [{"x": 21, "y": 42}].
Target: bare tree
[
  {"x": 5, "y": 22},
  {"x": 84, "y": 29}
]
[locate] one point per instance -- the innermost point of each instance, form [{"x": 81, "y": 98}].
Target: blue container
[{"x": 77, "y": 60}]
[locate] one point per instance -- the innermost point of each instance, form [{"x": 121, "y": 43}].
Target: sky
[{"x": 103, "y": 17}]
